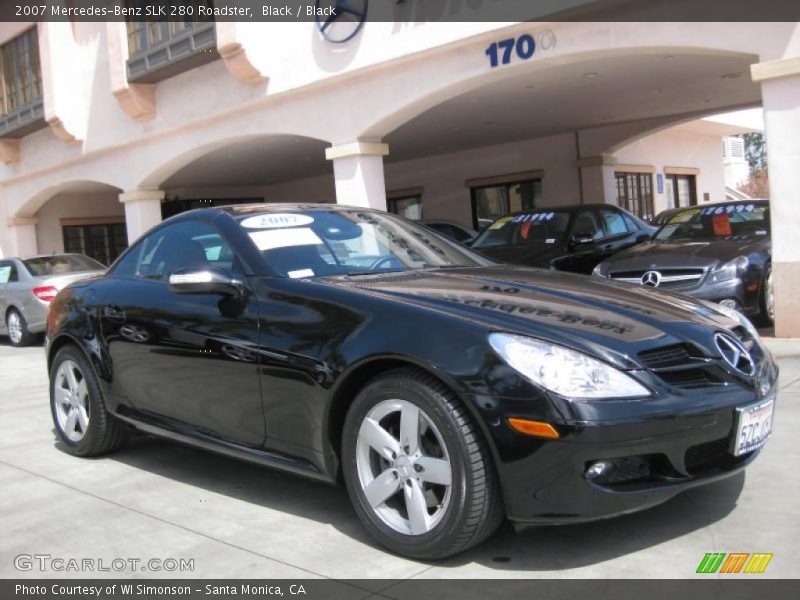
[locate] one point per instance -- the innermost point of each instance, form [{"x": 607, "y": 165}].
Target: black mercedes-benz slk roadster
[{"x": 447, "y": 392}]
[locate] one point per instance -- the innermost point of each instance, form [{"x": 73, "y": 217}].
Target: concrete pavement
[{"x": 156, "y": 499}]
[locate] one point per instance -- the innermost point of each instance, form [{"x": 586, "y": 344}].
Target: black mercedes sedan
[
  {"x": 718, "y": 252},
  {"x": 445, "y": 391},
  {"x": 568, "y": 238}
]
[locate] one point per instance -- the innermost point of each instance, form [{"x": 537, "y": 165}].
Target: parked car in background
[
  {"x": 719, "y": 252},
  {"x": 27, "y": 286},
  {"x": 665, "y": 215},
  {"x": 567, "y": 238},
  {"x": 319, "y": 340},
  {"x": 455, "y": 231}
]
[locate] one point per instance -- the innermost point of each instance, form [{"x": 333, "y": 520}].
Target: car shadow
[{"x": 544, "y": 548}]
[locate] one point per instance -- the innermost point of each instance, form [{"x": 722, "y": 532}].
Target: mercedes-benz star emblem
[
  {"x": 735, "y": 354},
  {"x": 651, "y": 278},
  {"x": 340, "y": 20}
]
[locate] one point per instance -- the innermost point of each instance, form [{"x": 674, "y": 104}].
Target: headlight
[
  {"x": 597, "y": 272},
  {"x": 571, "y": 374},
  {"x": 736, "y": 315},
  {"x": 731, "y": 269}
]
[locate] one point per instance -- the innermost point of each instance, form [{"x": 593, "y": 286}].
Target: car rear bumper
[{"x": 654, "y": 459}]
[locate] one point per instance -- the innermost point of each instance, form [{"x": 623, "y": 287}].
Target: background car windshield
[
  {"x": 720, "y": 221},
  {"x": 59, "y": 264},
  {"x": 544, "y": 227},
  {"x": 321, "y": 243}
]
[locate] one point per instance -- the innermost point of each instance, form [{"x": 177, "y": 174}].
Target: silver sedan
[{"x": 27, "y": 286}]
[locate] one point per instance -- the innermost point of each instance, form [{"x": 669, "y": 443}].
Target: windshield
[
  {"x": 721, "y": 221},
  {"x": 543, "y": 227},
  {"x": 320, "y": 243},
  {"x": 61, "y": 264}
]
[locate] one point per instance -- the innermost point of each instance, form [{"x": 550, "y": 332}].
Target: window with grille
[
  {"x": 21, "y": 81},
  {"x": 104, "y": 243},
  {"x": 635, "y": 194}
]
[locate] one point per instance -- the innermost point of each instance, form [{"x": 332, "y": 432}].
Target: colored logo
[{"x": 734, "y": 562}]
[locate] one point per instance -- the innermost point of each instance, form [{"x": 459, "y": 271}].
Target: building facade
[{"x": 107, "y": 128}]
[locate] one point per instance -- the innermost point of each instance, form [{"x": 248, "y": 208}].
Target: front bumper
[
  {"x": 733, "y": 289},
  {"x": 544, "y": 482}
]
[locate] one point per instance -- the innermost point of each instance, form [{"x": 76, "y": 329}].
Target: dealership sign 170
[{"x": 520, "y": 48}]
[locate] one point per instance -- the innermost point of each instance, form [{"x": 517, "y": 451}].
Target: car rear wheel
[
  {"x": 417, "y": 468},
  {"x": 17, "y": 327},
  {"x": 82, "y": 422}
]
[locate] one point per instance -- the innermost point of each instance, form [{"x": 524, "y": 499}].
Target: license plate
[{"x": 753, "y": 427}]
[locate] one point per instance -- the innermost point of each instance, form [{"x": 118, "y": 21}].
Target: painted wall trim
[
  {"x": 635, "y": 169},
  {"x": 775, "y": 69},
  {"x": 681, "y": 171},
  {"x": 357, "y": 149}
]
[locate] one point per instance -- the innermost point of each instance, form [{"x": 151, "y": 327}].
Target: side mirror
[
  {"x": 583, "y": 237},
  {"x": 204, "y": 280},
  {"x": 644, "y": 237}
]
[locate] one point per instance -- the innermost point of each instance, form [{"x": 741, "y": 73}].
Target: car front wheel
[
  {"x": 417, "y": 468},
  {"x": 82, "y": 421}
]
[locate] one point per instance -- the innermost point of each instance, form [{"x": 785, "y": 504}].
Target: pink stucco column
[
  {"x": 142, "y": 211},
  {"x": 780, "y": 92},
  {"x": 22, "y": 235},
  {"x": 358, "y": 172}
]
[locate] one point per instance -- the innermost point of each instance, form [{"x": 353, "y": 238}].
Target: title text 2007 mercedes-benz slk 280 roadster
[{"x": 446, "y": 391}]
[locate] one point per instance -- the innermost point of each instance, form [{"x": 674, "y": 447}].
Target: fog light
[
  {"x": 598, "y": 469},
  {"x": 729, "y": 303}
]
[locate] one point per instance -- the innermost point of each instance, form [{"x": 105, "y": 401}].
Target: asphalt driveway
[{"x": 156, "y": 499}]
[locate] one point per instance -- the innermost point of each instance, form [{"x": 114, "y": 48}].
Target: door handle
[{"x": 114, "y": 313}]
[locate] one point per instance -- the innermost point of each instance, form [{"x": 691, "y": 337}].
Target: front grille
[
  {"x": 669, "y": 279},
  {"x": 692, "y": 378},
  {"x": 715, "y": 454},
  {"x": 668, "y": 356}
]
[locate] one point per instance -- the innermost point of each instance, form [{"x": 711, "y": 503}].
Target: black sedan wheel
[
  {"x": 79, "y": 413},
  {"x": 417, "y": 469}
]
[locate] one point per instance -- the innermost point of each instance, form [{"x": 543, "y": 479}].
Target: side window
[
  {"x": 614, "y": 222},
  {"x": 189, "y": 244},
  {"x": 8, "y": 272},
  {"x": 587, "y": 223}
]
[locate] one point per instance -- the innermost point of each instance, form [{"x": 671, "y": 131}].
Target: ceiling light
[
  {"x": 668, "y": 57},
  {"x": 734, "y": 75},
  {"x": 655, "y": 91},
  {"x": 590, "y": 75},
  {"x": 706, "y": 101}
]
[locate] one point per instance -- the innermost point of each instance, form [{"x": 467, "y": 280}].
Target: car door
[
  {"x": 585, "y": 237},
  {"x": 619, "y": 233},
  {"x": 184, "y": 360}
]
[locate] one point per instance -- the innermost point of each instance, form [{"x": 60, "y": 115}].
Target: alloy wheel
[
  {"x": 71, "y": 401},
  {"x": 403, "y": 467},
  {"x": 14, "y": 324}
]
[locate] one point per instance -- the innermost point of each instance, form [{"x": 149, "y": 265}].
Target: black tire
[
  {"x": 764, "y": 318},
  {"x": 104, "y": 433},
  {"x": 475, "y": 507},
  {"x": 26, "y": 337}
]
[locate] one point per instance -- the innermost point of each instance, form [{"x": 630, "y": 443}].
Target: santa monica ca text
[{"x": 142, "y": 589}]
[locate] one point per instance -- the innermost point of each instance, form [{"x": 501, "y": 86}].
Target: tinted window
[
  {"x": 189, "y": 244},
  {"x": 451, "y": 231},
  {"x": 542, "y": 227},
  {"x": 319, "y": 243},
  {"x": 587, "y": 223},
  {"x": 8, "y": 272},
  {"x": 614, "y": 222},
  {"x": 717, "y": 222},
  {"x": 60, "y": 264}
]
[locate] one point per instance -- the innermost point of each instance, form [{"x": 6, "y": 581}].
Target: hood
[
  {"x": 682, "y": 254},
  {"x": 61, "y": 281},
  {"x": 605, "y": 318}
]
